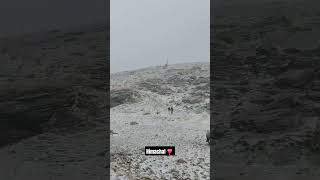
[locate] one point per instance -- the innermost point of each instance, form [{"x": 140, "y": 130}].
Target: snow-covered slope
[
  {"x": 141, "y": 118},
  {"x": 265, "y": 59},
  {"x": 54, "y": 105}
]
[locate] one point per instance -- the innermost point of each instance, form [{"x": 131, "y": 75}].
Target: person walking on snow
[{"x": 208, "y": 136}]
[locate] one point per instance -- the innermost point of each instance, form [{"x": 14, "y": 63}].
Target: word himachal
[{"x": 160, "y": 150}]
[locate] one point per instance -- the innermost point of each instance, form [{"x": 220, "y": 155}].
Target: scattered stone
[
  {"x": 133, "y": 123},
  {"x": 112, "y": 132},
  {"x": 181, "y": 161}
]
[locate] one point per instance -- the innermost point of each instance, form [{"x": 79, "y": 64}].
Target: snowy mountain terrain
[
  {"x": 140, "y": 117},
  {"x": 54, "y": 105},
  {"x": 265, "y": 90}
]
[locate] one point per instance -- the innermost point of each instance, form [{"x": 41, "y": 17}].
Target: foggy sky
[
  {"x": 143, "y": 32},
  {"x": 18, "y": 16}
]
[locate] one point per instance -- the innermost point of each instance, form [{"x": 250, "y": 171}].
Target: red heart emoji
[{"x": 169, "y": 151}]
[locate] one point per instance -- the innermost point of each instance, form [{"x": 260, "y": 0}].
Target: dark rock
[
  {"x": 192, "y": 100},
  {"x": 133, "y": 123},
  {"x": 181, "y": 161},
  {"x": 123, "y": 96},
  {"x": 155, "y": 86}
]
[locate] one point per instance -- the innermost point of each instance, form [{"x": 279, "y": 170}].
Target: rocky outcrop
[{"x": 123, "y": 96}]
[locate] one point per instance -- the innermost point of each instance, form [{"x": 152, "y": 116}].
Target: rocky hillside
[
  {"x": 185, "y": 85},
  {"x": 140, "y": 117},
  {"x": 265, "y": 87},
  {"x": 53, "y": 101},
  {"x": 47, "y": 75}
]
